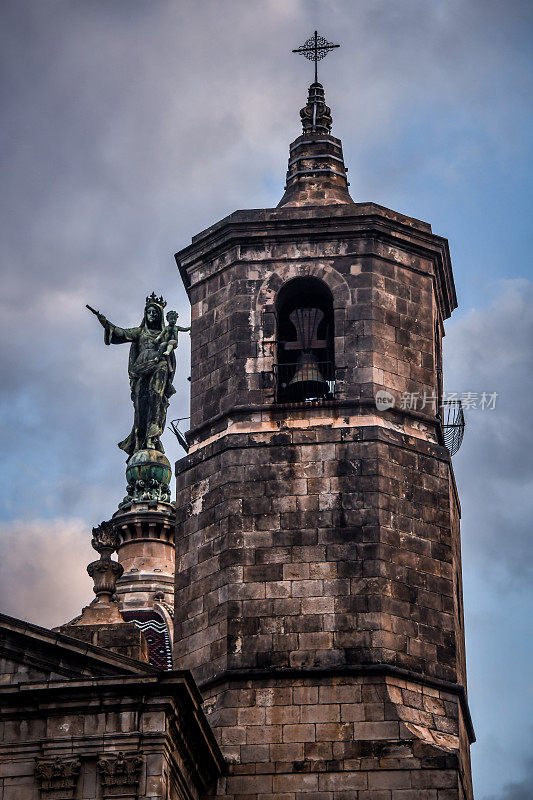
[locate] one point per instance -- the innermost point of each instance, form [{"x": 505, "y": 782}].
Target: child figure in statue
[{"x": 168, "y": 338}]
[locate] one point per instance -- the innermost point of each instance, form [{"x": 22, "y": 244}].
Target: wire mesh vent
[{"x": 453, "y": 424}]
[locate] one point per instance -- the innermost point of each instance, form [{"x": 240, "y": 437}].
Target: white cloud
[{"x": 42, "y": 569}]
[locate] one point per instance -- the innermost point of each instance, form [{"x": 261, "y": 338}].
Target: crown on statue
[{"x": 153, "y": 300}]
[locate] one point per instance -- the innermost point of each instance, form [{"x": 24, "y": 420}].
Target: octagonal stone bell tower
[{"x": 318, "y": 567}]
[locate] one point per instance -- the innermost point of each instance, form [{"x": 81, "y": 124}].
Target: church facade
[{"x": 316, "y": 615}]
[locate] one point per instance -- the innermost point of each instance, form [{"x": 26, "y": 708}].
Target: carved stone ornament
[
  {"x": 57, "y": 777},
  {"x": 105, "y": 571},
  {"x": 120, "y": 774},
  {"x": 104, "y": 574},
  {"x": 105, "y": 540}
]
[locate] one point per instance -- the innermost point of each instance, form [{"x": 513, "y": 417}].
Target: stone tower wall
[
  {"x": 317, "y": 546},
  {"x": 339, "y": 737}
]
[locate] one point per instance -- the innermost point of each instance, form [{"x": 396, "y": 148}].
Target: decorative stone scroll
[
  {"x": 57, "y": 777},
  {"x": 120, "y": 774}
]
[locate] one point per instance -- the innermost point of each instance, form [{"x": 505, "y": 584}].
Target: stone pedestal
[
  {"x": 133, "y": 609},
  {"x": 146, "y": 552},
  {"x": 145, "y": 591}
]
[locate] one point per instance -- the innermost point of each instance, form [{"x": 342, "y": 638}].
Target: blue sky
[{"x": 130, "y": 126}]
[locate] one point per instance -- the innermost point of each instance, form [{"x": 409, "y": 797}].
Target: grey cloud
[
  {"x": 132, "y": 125},
  {"x": 518, "y": 790},
  {"x": 490, "y": 350},
  {"x": 130, "y": 129}
]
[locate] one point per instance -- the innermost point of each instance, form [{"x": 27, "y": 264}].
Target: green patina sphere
[{"x": 148, "y": 465}]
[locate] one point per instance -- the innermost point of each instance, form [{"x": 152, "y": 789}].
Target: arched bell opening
[{"x": 305, "y": 369}]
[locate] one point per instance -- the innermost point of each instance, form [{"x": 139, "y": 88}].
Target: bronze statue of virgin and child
[{"x": 151, "y": 369}]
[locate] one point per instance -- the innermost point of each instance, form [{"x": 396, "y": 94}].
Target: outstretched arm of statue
[
  {"x": 112, "y": 333},
  {"x": 104, "y": 322},
  {"x": 183, "y": 330}
]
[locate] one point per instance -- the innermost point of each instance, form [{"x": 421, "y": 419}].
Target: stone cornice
[
  {"x": 362, "y": 220},
  {"x": 367, "y": 433},
  {"x": 172, "y": 692},
  {"x": 157, "y": 683},
  {"x": 229, "y": 439},
  {"x": 24, "y": 642}
]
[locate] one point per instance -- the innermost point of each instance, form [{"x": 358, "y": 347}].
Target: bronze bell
[{"x": 307, "y": 382}]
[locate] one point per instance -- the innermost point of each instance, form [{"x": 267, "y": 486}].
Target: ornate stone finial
[
  {"x": 105, "y": 540},
  {"x": 105, "y": 572},
  {"x": 121, "y": 773},
  {"x": 316, "y": 115},
  {"x": 316, "y": 175},
  {"x": 104, "y": 608},
  {"x": 57, "y": 777}
]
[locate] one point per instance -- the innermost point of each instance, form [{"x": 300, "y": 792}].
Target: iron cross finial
[{"x": 315, "y": 49}]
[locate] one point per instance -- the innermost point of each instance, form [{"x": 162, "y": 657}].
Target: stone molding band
[
  {"x": 271, "y": 407},
  {"x": 360, "y": 669}
]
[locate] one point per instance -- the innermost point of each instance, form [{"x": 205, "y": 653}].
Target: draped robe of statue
[{"x": 151, "y": 376}]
